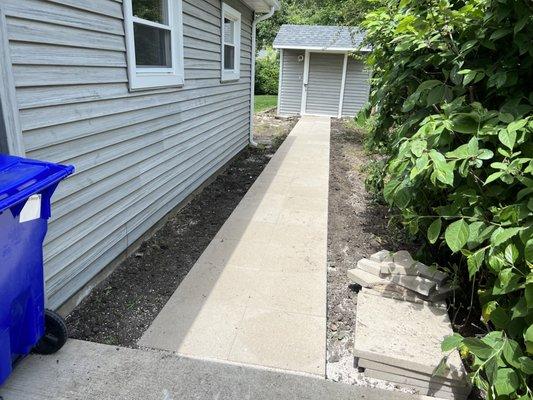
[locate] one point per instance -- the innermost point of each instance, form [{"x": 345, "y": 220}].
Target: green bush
[
  {"x": 452, "y": 83},
  {"x": 267, "y": 74}
]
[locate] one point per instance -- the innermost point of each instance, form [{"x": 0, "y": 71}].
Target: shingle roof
[{"x": 319, "y": 37}]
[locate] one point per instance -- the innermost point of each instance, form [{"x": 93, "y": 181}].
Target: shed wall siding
[
  {"x": 357, "y": 88},
  {"x": 291, "y": 83},
  {"x": 137, "y": 155}
]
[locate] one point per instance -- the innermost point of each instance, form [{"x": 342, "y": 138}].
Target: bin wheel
[{"x": 55, "y": 334}]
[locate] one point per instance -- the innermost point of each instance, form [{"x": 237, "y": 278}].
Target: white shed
[{"x": 318, "y": 76}]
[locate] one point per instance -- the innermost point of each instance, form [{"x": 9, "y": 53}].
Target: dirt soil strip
[
  {"x": 122, "y": 307},
  {"x": 357, "y": 228}
]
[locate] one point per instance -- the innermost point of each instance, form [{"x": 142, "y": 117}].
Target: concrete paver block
[
  {"x": 403, "y": 258},
  {"x": 294, "y": 342},
  {"x": 452, "y": 393},
  {"x": 421, "y": 383},
  {"x": 370, "y": 266},
  {"x": 392, "y": 369},
  {"x": 401, "y": 293},
  {"x": 415, "y": 283},
  {"x": 403, "y": 334},
  {"x": 382, "y": 256}
]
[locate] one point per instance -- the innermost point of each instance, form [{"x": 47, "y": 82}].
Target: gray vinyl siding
[
  {"x": 324, "y": 85},
  {"x": 291, "y": 82},
  {"x": 357, "y": 88},
  {"x": 137, "y": 155}
]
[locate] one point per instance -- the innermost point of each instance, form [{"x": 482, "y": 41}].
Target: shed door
[{"x": 324, "y": 84}]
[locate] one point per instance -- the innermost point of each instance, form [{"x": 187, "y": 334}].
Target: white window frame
[
  {"x": 151, "y": 78},
  {"x": 235, "y": 16}
]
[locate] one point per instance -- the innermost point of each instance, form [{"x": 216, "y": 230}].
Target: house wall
[
  {"x": 291, "y": 83},
  {"x": 357, "y": 88},
  {"x": 137, "y": 155}
]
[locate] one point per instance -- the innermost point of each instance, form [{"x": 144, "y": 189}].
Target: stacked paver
[
  {"x": 397, "y": 275},
  {"x": 401, "y": 322}
]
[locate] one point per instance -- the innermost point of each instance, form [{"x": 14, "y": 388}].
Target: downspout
[{"x": 256, "y": 20}]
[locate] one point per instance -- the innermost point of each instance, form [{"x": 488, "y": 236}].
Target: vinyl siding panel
[
  {"x": 325, "y": 82},
  {"x": 137, "y": 155},
  {"x": 291, "y": 83},
  {"x": 357, "y": 88}
]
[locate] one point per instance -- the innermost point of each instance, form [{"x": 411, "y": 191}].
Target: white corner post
[
  {"x": 280, "y": 80},
  {"x": 256, "y": 20},
  {"x": 10, "y": 128},
  {"x": 305, "y": 82},
  {"x": 343, "y": 84}
]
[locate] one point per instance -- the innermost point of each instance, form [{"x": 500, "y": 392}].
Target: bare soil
[
  {"x": 122, "y": 307},
  {"x": 358, "y": 227}
]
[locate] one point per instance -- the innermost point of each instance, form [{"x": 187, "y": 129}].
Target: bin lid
[{"x": 21, "y": 177}]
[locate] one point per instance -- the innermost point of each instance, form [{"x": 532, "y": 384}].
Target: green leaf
[
  {"x": 418, "y": 147},
  {"x": 474, "y": 262},
  {"x": 464, "y": 123},
  {"x": 456, "y": 235},
  {"x": 501, "y": 235},
  {"x": 478, "y": 348},
  {"x": 499, "y": 33},
  {"x": 528, "y": 338},
  {"x": 499, "y": 318},
  {"x": 469, "y": 77},
  {"x": 512, "y": 353},
  {"x": 506, "y": 381},
  {"x": 516, "y": 125},
  {"x": 434, "y": 230},
  {"x": 435, "y": 95},
  {"x": 526, "y": 365},
  {"x": 529, "y": 294},
  {"x": 507, "y": 138},
  {"x": 511, "y": 253},
  {"x": 451, "y": 342}
]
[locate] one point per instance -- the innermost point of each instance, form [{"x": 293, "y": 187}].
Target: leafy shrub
[
  {"x": 267, "y": 73},
  {"x": 452, "y": 83}
]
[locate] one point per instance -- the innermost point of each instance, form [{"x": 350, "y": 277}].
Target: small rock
[
  {"x": 334, "y": 358},
  {"x": 139, "y": 255},
  {"x": 333, "y": 327}
]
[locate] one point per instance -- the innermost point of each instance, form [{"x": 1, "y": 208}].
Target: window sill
[
  {"x": 150, "y": 82},
  {"x": 229, "y": 77}
]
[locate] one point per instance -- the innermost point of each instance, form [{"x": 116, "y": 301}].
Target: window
[
  {"x": 154, "y": 41},
  {"x": 231, "y": 43}
]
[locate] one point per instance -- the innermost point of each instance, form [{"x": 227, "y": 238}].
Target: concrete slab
[
  {"x": 452, "y": 393},
  {"x": 89, "y": 371},
  {"x": 420, "y": 383},
  {"x": 370, "y": 266},
  {"x": 258, "y": 293},
  {"x": 403, "y": 334},
  {"x": 376, "y": 366}
]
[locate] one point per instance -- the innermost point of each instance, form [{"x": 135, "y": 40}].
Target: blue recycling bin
[{"x": 26, "y": 187}]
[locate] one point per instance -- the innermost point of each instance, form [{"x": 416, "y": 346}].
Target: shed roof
[{"x": 318, "y": 37}]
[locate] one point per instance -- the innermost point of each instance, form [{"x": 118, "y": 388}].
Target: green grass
[{"x": 264, "y": 102}]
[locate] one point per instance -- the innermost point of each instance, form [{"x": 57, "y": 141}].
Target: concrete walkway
[
  {"x": 258, "y": 293},
  {"x": 90, "y": 371}
]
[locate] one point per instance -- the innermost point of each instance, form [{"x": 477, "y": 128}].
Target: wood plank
[
  {"x": 40, "y": 32},
  {"x": 42, "y": 54},
  {"x": 33, "y": 76},
  {"x": 104, "y": 7},
  {"x": 55, "y": 14}
]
